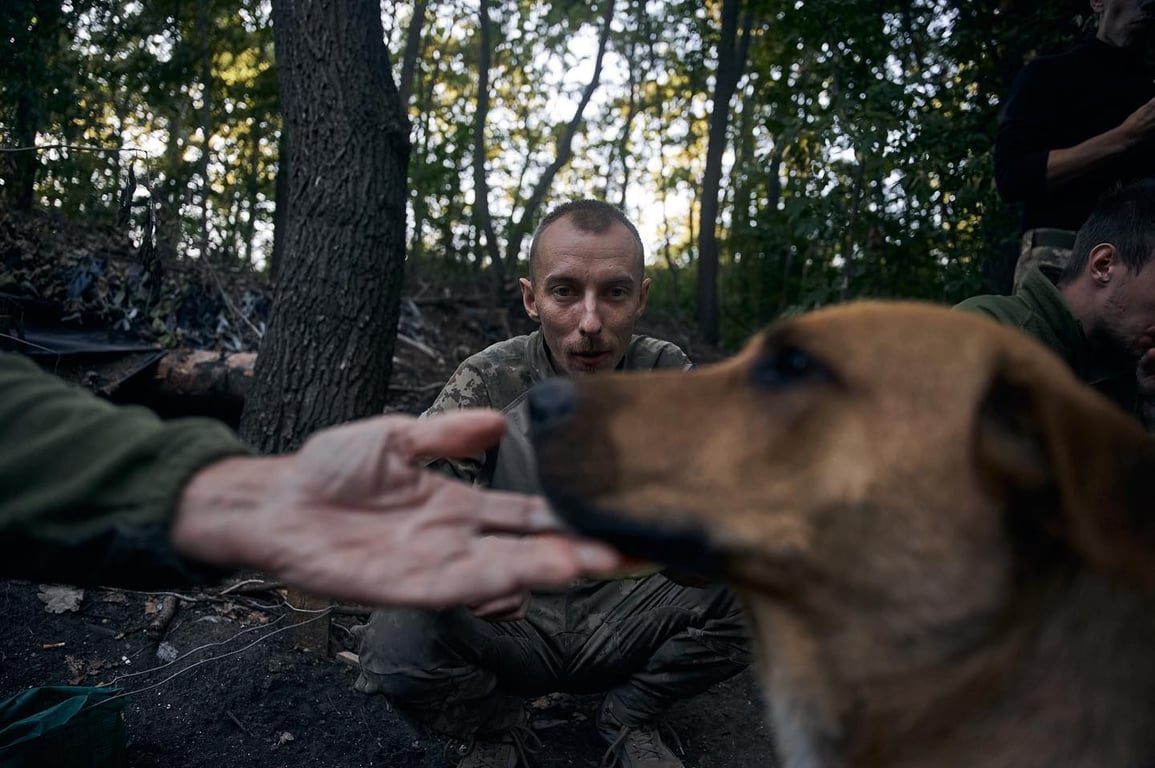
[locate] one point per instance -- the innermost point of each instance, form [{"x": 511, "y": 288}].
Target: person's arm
[
  {"x": 354, "y": 516},
  {"x": 87, "y": 488},
  {"x": 89, "y": 492},
  {"x": 1068, "y": 165},
  {"x": 1026, "y": 156}
]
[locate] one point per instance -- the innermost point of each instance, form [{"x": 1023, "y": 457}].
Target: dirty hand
[{"x": 353, "y": 516}]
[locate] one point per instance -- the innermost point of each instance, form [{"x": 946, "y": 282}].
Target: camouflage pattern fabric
[
  {"x": 1047, "y": 249},
  {"x": 647, "y": 642},
  {"x": 500, "y": 377}
]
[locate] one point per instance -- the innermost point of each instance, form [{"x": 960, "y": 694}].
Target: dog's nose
[{"x": 551, "y": 403}]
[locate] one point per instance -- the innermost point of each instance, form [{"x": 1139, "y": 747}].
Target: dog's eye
[{"x": 786, "y": 366}]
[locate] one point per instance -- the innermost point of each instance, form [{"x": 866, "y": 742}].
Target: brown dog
[{"x": 944, "y": 542}]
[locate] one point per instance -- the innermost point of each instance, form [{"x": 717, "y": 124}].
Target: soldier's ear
[
  {"x": 1103, "y": 262},
  {"x": 528, "y": 299},
  {"x": 643, "y": 296}
]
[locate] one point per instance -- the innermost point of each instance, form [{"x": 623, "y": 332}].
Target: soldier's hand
[
  {"x": 1140, "y": 124},
  {"x": 353, "y": 516}
]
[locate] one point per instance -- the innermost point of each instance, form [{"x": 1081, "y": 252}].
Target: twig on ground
[
  {"x": 419, "y": 389},
  {"x": 238, "y": 723},
  {"x": 423, "y": 348},
  {"x": 249, "y": 586},
  {"x": 163, "y": 618}
]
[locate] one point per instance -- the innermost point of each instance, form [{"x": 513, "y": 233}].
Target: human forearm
[
  {"x": 87, "y": 488},
  {"x": 1073, "y": 164}
]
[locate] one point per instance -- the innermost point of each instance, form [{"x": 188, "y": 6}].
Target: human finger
[
  {"x": 499, "y": 565},
  {"x": 457, "y": 434},
  {"x": 505, "y": 511}
]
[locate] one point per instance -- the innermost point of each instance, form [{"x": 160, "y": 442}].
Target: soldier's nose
[{"x": 551, "y": 404}]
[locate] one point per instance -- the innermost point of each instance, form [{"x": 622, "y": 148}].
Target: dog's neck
[{"x": 1070, "y": 682}]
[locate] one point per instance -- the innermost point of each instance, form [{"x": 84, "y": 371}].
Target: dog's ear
[{"x": 1055, "y": 447}]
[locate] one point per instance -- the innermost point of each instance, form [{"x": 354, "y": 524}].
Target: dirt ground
[
  {"x": 226, "y": 683},
  {"x": 242, "y": 693}
]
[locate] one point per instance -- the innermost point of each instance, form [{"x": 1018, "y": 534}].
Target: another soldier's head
[
  {"x": 1109, "y": 283},
  {"x": 586, "y": 285},
  {"x": 1124, "y": 23}
]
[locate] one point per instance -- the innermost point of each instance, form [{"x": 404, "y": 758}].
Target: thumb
[{"x": 456, "y": 434}]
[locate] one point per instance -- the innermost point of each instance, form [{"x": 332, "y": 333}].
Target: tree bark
[
  {"x": 327, "y": 355},
  {"x": 482, "y": 220},
  {"x": 732, "y": 53}
]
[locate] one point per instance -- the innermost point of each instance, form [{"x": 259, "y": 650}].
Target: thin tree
[
  {"x": 732, "y": 53},
  {"x": 482, "y": 220}
]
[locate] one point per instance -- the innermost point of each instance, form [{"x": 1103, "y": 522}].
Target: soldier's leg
[
  {"x": 652, "y": 642},
  {"x": 451, "y": 672}
]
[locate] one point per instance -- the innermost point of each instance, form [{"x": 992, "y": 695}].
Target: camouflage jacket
[
  {"x": 500, "y": 377},
  {"x": 1037, "y": 308},
  {"x": 87, "y": 488}
]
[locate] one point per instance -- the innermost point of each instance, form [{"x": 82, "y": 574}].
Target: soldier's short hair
[
  {"x": 1124, "y": 217},
  {"x": 587, "y": 215}
]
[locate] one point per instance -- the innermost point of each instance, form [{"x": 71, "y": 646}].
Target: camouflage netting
[{"x": 60, "y": 273}]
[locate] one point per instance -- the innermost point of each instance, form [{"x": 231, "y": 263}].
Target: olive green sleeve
[{"x": 87, "y": 489}]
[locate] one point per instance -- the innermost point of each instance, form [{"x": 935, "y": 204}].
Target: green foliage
[
  {"x": 183, "y": 92},
  {"x": 858, "y": 160}
]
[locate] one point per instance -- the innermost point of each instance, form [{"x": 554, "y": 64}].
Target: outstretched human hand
[{"x": 354, "y": 516}]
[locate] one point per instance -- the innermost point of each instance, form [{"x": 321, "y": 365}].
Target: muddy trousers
[{"x": 645, "y": 642}]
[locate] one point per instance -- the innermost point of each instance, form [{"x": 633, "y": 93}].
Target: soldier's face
[
  {"x": 1123, "y": 23},
  {"x": 587, "y": 291},
  {"x": 1128, "y": 317}
]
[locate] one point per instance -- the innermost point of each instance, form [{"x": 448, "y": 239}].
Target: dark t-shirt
[{"x": 1057, "y": 102}]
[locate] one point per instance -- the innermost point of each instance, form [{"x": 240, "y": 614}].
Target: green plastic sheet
[{"x": 63, "y": 727}]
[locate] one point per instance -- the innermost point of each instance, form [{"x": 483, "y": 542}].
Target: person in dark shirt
[{"x": 1072, "y": 126}]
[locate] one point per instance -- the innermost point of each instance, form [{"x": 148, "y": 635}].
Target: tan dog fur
[{"x": 944, "y": 542}]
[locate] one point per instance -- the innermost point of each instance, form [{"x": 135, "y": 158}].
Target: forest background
[{"x": 778, "y": 155}]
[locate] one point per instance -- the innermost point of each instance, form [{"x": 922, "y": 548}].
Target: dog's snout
[{"x": 551, "y": 403}]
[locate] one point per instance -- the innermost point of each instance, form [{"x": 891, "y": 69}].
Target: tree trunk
[
  {"x": 40, "y": 24},
  {"x": 482, "y": 220},
  {"x": 281, "y": 211},
  {"x": 412, "y": 51},
  {"x": 204, "y": 49},
  {"x": 327, "y": 355},
  {"x": 731, "y": 62}
]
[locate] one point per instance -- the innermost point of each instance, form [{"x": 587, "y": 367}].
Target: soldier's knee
[{"x": 401, "y": 638}]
